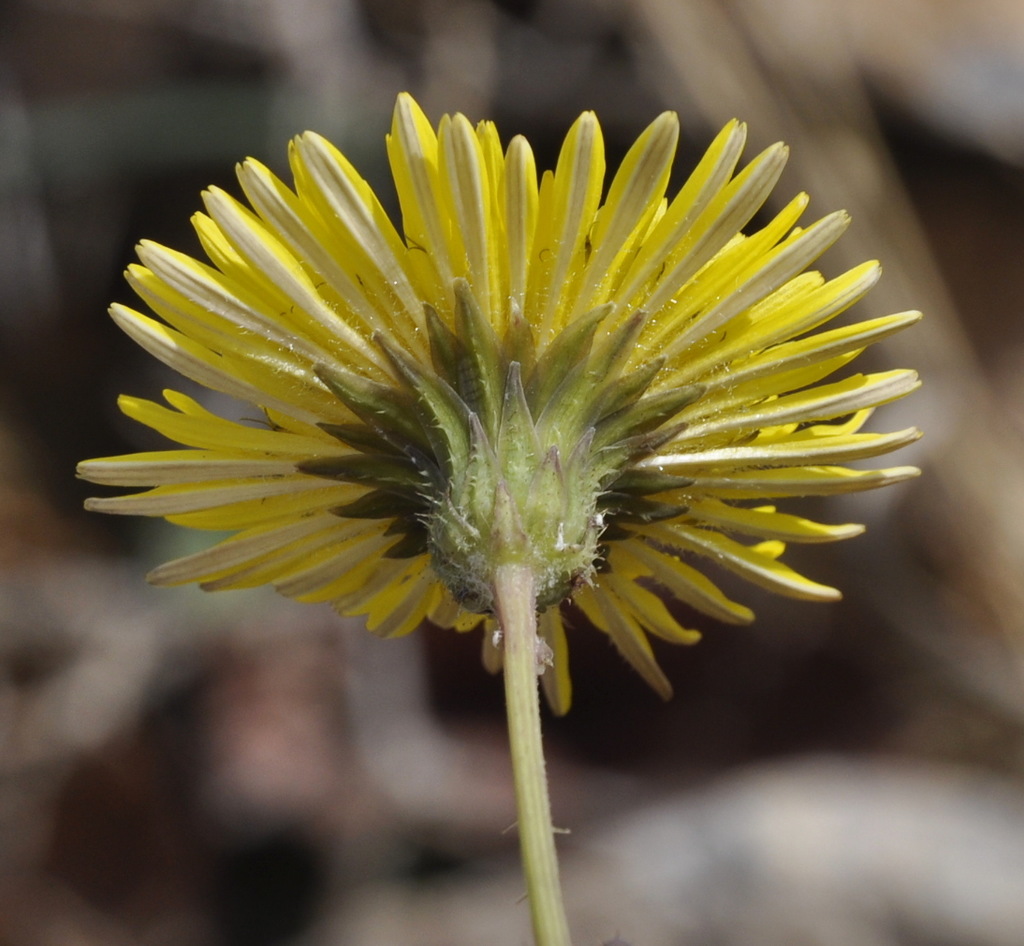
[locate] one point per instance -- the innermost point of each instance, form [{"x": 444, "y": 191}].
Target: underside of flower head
[
  {"x": 610, "y": 386},
  {"x": 494, "y": 467}
]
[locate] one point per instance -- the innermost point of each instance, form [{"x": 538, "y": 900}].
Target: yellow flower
[{"x": 611, "y": 388}]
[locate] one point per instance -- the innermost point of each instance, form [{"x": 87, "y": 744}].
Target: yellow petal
[
  {"x": 565, "y": 214},
  {"x": 521, "y": 198},
  {"x": 757, "y": 565},
  {"x": 681, "y": 580},
  {"x": 555, "y": 679},
  {"x": 766, "y": 523},
  {"x": 633, "y": 198},
  {"x": 627, "y": 636}
]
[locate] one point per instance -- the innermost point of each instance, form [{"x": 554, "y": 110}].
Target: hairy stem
[{"x": 515, "y": 605}]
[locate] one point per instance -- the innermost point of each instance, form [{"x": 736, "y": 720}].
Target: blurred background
[{"x": 238, "y": 770}]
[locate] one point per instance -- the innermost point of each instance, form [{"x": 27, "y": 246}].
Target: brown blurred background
[{"x": 179, "y": 769}]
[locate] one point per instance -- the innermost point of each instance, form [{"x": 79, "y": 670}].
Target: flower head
[{"x": 611, "y": 387}]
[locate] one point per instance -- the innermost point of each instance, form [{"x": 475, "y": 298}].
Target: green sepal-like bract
[{"x": 492, "y": 456}]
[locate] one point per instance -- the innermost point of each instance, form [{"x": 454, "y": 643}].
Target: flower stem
[{"x": 515, "y": 605}]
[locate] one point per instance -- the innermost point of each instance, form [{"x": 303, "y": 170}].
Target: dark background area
[{"x": 239, "y": 770}]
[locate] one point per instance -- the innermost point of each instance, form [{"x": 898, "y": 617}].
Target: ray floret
[{"x": 604, "y": 382}]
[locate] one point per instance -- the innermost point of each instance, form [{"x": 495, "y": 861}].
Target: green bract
[{"x": 609, "y": 386}]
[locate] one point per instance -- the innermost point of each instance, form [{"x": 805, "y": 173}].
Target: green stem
[{"x": 515, "y": 605}]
